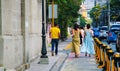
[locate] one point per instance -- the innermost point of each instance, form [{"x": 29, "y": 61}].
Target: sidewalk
[
  {"x": 83, "y": 63},
  {"x": 65, "y": 62},
  {"x": 55, "y": 62}
]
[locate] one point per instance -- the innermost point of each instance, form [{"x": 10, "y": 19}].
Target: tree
[
  {"x": 95, "y": 14},
  {"x": 67, "y": 14},
  {"x": 82, "y": 21},
  {"x": 115, "y": 9}
]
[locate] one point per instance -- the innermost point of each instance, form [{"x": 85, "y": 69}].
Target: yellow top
[{"x": 54, "y": 32}]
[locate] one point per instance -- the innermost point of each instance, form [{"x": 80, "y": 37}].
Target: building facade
[
  {"x": 89, "y": 4},
  {"x": 20, "y": 33}
]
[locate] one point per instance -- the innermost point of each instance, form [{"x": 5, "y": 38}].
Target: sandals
[{"x": 77, "y": 56}]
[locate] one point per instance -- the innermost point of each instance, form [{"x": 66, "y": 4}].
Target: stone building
[
  {"x": 89, "y": 4},
  {"x": 20, "y": 33}
]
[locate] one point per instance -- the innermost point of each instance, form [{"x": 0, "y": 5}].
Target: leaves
[{"x": 67, "y": 13}]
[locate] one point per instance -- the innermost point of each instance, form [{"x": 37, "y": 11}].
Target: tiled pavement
[
  {"x": 61, "y": 63},
  {"x": 83, "y": 63},
  {"x": 55, "y": 62}
]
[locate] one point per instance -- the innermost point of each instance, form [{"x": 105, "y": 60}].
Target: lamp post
[{"x": 44, "y": 57}]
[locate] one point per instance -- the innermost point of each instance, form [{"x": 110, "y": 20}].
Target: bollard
[
  {"x": 117, "y": 61},
  {"x": 97, "y": 51},
  {"x": 106, "y": 59},
  {"x": 95, "y": 47},
  {"x": 110, "y": 60},
  {"x": 101, "y": 56}
]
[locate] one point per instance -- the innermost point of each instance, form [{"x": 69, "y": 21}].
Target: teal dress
[{"x": 88, "y": 45}]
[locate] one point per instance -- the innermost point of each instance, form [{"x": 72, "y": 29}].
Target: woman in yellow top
[
  {"x": 54, "y": 35},
  {"x": 76, "y": 40}
]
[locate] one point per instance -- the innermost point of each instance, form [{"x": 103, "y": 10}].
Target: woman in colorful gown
[
  {"x": 88, "y": 41},
  {"x": 76, "y": 40}
]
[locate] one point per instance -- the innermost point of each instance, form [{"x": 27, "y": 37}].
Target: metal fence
[{"x": 106, "y": 58}]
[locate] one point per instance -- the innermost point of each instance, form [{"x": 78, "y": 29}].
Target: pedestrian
[
  {"x": 82, "y": 35},
  {"x": 89, "y": 43},
  {"x": 76, "y": 40},
  {"x": 54, "y": 35}
]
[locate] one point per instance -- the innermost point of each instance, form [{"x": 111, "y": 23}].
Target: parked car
[
  {"x": 118, "y": 42},
  {"x": 103, "y": 32},
  {"x": 115, "y": 26},
  {"x": 96, "y": 32},
  {"x": 112, "y": 35}
]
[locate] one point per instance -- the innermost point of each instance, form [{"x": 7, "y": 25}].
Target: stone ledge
[
  {"x": 2, "y": 69},
  {"x": 23, "y": 67},
  {"x": 58, "y": 64}
]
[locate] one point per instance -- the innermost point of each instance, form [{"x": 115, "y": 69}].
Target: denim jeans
[{"x": 55, "y": 44}]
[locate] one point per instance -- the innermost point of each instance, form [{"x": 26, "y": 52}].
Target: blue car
[
  {"x": 96, "y": 32},
  {"x": 112, "y": 35}
]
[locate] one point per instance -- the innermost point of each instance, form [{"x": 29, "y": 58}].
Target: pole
[
  {"x": 108, "y": 3},
  {"x": 44, "y": 57},
  {"x": 95, "y": 2},
  {"x": 52, "y": 13}
]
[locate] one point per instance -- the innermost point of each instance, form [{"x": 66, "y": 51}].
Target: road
[{"x": 112, "y": 45}]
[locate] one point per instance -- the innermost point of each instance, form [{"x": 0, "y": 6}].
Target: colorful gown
[
  {"x": 88, "y": 45},
  {"x": 76, "y": 42}
]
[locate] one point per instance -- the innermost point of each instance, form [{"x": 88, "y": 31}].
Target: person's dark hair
[
  {"x": 88, "y": 26},
  {"x": 55, "y": 24},
  {"x": 76, "y": 26},
  {"x": 81, "y": 27}
]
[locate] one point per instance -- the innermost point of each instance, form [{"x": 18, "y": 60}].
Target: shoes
[
  {"x": 89, "y": 55},
  {"x": 85, "y": 54},
  {"x": 56, "y": 54},
  {"x": 52, "y": 53},
  {"x": 77, "y": 56}
]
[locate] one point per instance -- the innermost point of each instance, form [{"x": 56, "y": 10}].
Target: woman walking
[
  {"x": 76, "y": 40},
  {"x": 89, "y": 43}
]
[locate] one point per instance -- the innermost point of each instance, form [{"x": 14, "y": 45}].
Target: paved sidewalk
[
  {"x": 65, "y": 62},
  {"x": 83, "y": 63},
  {"x": 55, "y": 62}
]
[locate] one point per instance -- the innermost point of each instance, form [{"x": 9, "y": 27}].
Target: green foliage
[
  {"x": 95, "y": 13},
  {"x": 82, "y": 21},
  {"x": 115, "y": 9},
  {"x": 67, "y": 14}
]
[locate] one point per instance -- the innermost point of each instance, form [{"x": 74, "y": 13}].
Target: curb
[{"x": 58, "y": 64}]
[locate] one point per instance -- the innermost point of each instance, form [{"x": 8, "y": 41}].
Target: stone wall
[
  {"x": 35, "y": 28},
  {"x": 11, "y": 33},
  {"x": 20, "y": 31}
]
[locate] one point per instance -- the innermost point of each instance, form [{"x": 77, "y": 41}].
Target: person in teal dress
[{"x": 88, "y": 42}]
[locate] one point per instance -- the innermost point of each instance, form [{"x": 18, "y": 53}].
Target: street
[{"x": 112, "y": 45}]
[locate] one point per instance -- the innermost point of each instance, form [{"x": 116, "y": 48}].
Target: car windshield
[
  {"x": 115, "y": 26},
  {"x": 115, "y": 30},
  {"x": 95, "y": 29},
  {"x": 104, "y": 28}
]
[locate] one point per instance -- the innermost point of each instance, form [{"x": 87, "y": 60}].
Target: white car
[{"x": 103, "y": 32}]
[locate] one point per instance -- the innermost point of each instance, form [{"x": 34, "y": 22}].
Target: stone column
[
  {"x": 10, "y": 36},
  {"x": 1, "y": 40},
  {"x": 24, "y": 28}
]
